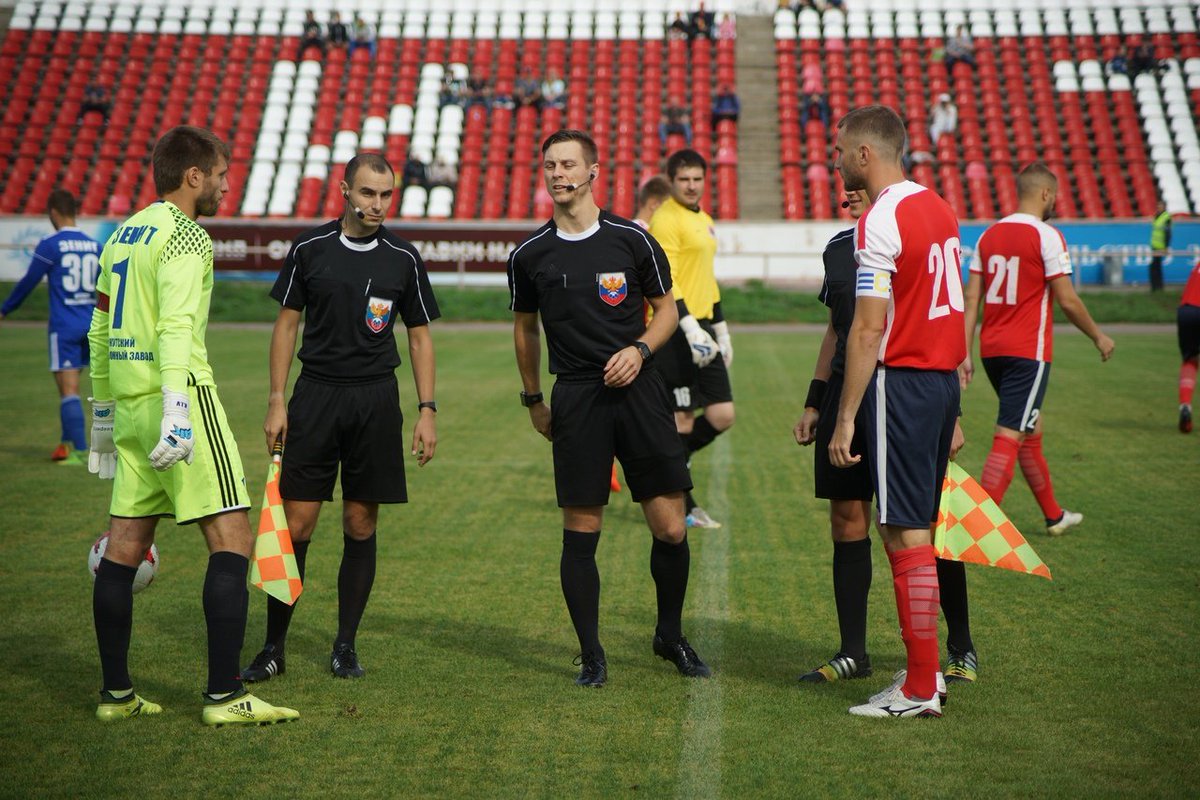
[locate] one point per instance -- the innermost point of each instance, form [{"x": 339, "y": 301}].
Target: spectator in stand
[
  {"x": 1118, "y": 64},
  {"x": 725, "y": 105},
  {"x": 362, "y": 35},
  {"x": 443, "y": 173},
  {"x": 959, "y": 47},
  {"x": 479, "y": 92},
  {"x": 702, "y": 22},
  {"x": 554, "y": 90},
  {"x": 840, "y": 5},
  {"x": 943, "y": 118},
  {"x": 679, "y": 27},
  {"x": 727, "y": 30},
  {"x": 338, "y": 35},
  {"x": 1143, "y": 60},
  {"x": 94, "y": 99},
  {"x": 501, "y": 98},
  {"x": 528, "y": 91},
  {"x": 677, "y": 121},
  {"x": 416, "y": 172},
  {"x": 814, "y": 103},
  {"x": 451, "y": 93},
  {"x": 812, "y": 79},
  {"x": 311, "y": 36}
]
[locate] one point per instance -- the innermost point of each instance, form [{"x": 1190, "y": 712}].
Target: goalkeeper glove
[
  {"x": 176, "y": 443},
  {"x": 723, "y": 341},
  {"x": 102, "y": 452},
  {"x": 704, "y": 349}
]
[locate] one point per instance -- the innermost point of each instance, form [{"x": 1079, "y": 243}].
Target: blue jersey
[{"x": 70, "y": 260}]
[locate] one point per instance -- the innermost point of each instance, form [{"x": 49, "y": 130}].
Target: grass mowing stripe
[{"x": 700, "y": 756}]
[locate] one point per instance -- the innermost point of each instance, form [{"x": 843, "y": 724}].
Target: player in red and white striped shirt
[
  {"x": 1025, "y": 264},
  {"x": 902, "y": 352},
  {"x": 1187, "y": 320}
]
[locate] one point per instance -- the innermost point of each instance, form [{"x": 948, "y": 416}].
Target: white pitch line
[{"x": 708, "y": 589}]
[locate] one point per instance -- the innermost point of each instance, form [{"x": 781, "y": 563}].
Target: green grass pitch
[{"x": 1087, "y": 683}]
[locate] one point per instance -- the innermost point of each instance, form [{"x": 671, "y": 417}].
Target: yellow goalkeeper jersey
[
  {"x": 153, "y": 293},
  {"x": 690, "y": 242}
]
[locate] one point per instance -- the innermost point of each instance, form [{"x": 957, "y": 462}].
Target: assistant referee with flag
[{"x": 351, "y": 278}]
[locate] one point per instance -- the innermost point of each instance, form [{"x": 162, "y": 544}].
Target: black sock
[
  {"x": 112, "y": 610},
  {"x": 355, "y": 579},
  {"x": 581, "y": 587},
  {"x": 851, "y": 584},
  {"x": 225, "y": 602},
  {"x": 701, "y": 436},
  {"x": 669, "y": 566},
  {"x": 279, "y": 613},
  {"x": 952, "y": 582}
]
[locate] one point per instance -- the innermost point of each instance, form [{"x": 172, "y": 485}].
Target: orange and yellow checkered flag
[
  {"x": 274, "y": 568},
  {"x": 973, "y": 529}
]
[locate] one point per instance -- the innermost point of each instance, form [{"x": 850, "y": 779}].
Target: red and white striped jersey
[
  {"x": 1191, "y": 292},
  {"x": 909, "y": 238},
  {"x": 1018, "y": 257}
]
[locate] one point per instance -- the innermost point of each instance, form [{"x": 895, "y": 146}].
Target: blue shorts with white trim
[
  {"x": 1020, "y": 383},
  {"x": 68, "y": 349},
  {"x": 910, "y": 421}
]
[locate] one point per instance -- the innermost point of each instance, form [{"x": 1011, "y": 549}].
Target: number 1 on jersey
[{"x": 121, "y": 270}]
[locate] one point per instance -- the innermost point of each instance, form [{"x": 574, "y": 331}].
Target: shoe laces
[
  {"x": 688, "y": 652},
  {"x": 264, "y": 658},
  {"x": 589, "y": 662}
]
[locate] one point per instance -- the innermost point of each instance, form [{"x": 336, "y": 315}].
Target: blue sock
[{"x": 71, "y": 413}]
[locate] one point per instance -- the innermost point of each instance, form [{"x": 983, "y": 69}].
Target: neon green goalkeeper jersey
[{"x": 156, "y": 278}]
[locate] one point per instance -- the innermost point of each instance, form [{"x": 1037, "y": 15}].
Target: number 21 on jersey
[
  {"x": 1004, "y": 273},
  {"x": 945, "y": 264}
]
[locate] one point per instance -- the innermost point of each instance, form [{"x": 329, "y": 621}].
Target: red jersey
[
  {"x": 908, "y": 251},
  {"x": 1018, "y": 257},
  {"x": 1191, "y": 292}
]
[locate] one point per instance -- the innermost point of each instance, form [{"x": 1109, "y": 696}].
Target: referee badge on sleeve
[
  {"x": 612, "y": 287},
  {"x": 379, "y": 311}
]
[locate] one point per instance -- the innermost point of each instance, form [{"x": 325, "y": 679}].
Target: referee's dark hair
[
  {"x": 685, "y": 158},
  {"x": 62, "y": 203},
  {"x": 180, "y": 149},
  {"x": 879, "y": 125},
  {"x": 570, "y": 135},
  {"x": 373, "y": 161},
  {"x": 656, "y": 188}
]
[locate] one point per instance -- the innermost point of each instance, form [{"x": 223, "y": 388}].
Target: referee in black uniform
[
  {"x": 586, "y": 273},
  {"x": 351, "y": 278},
  {"x": 849, "y": 490}
]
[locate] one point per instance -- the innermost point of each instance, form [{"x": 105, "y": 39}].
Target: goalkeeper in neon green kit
[{"x": 158, "y": 429}]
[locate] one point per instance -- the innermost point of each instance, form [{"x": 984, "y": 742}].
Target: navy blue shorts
[
  {"x": 1187, "y": 320},
  {"x": 910, "y": 417},
  {"x": 590, "y": 424},
  {"x": 1020, "y": 383},
  {"x": 68, "y": 349}
]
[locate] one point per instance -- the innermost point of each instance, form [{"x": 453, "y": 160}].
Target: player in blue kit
[{"x": 69, "y": 259}]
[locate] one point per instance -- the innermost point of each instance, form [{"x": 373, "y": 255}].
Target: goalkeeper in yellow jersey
[
  {"x": 158, "y": 429},
  {"x": 694, "y": 362}
]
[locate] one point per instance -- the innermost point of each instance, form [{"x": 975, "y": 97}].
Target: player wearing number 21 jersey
[
  {"x": 1020, "y": 264},
  {"x": 901, "y": 354}
]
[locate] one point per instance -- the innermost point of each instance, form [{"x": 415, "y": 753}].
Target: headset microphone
[
  {"x": 574, "y": 186},
  {"x": 357, "y": 210},
  {"x": 845, "y": 204}
]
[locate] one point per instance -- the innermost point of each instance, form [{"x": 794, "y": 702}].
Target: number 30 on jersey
[{"x": 945, "y": 265}]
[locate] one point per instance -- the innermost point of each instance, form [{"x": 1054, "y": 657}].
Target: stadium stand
[
  {"x": 1041, "y": 87},
  {"x": 232, "y": 66},
  {"x": 1039, "y": 90}
]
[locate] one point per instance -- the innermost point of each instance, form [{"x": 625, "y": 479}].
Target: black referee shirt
[
  {"x": 841, "y": 274},
  {"x": 589, "y": 289},
  {"x": 351, "y": 291}
]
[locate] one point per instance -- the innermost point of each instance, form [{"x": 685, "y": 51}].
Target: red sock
[
  {"x": 1037, "y": 474},
  {"x": 1187, "y": 381},
  {"x": 998, "y": 468},
  {"x": 914, "y": 576}
]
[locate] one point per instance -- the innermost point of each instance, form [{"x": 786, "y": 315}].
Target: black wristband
[{"x": 816, "y": 393}]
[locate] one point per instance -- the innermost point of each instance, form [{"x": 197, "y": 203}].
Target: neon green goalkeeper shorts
[{"x": 212, "y": 484}]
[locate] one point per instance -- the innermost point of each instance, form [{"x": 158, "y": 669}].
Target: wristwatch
[
  {"x": 431, "y": 405},
  {"x": 644, "y": 349},
  {"x": 529, "y": 400}
]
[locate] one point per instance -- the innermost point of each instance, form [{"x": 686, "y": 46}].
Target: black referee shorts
[
  {"x": 591, "y": 424},
  {"x": 692, "y": 387},
  {"x": 1187, "y": 320},
  {"x": 835, "y": 483},
  {"x": 358, "y": 426}
]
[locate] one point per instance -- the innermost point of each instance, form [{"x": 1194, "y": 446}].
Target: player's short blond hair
[
  {"x": 1034, "y": 178},
  {"x": 876, "y": 125}
]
